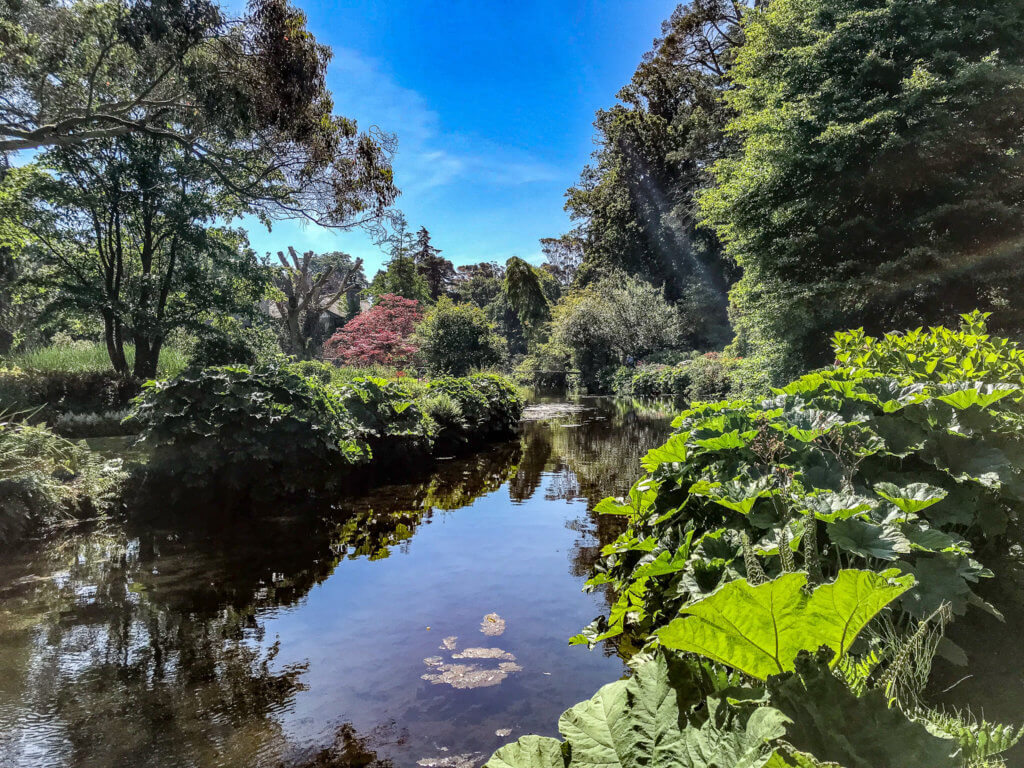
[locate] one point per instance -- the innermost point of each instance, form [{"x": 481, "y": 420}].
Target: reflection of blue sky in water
[{"x": 270, "y": 643}]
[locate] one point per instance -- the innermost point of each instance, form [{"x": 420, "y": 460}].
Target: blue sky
[{"x": 492, "y": 103}]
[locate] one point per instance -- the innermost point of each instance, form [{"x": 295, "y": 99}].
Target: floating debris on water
[
  {"x": 449, "y": 761},
  {"x": 484, "y": 653},
  {"x": 470, "y": 675},
  {"x": 448, "y": 644},
  {"x": 551, "y": 411},
  {"x": 503, "y": 732},
  {"x": 492, "y": 625},
  {"x": 462, "y": 674}
]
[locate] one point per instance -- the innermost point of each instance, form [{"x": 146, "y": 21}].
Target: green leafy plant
[
  {"x": 218, "y": 425},
  {"x": 649, "y": 720},
  {"x": 840, "y": 469},
  {"x": 938, "y": 354},
  {"x": 45, "y": 478},
  {"x": 759, "y": 630}
]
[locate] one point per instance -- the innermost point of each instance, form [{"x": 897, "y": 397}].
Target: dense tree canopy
[
  {"x": 127, "y": 229},
  {"x": 635, "y": 203},
  {"x": 456, "y": 338},
  {"x": 436, "y": 270},
  {"x": 247, "y": 97},
  {"x": 880, "y": 180}
]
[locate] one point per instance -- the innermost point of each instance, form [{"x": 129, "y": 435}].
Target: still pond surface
[{"x": 424, "y": 624}]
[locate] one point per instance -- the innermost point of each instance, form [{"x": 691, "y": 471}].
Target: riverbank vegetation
[
  {"x": 767, "y": 535},
  {"x": 773, "y": 175}
]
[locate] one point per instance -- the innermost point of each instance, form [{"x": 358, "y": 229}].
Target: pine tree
[{"x": 437, "y": 271}]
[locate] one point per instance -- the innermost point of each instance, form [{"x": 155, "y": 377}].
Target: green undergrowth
[
  {"x": 46, "y": 479},
  {"x": 292, "y": 427},
  {"x": 796, "y": 559}
]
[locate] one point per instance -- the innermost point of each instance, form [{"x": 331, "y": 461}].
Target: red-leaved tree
[{"x": 382, "y": 334}]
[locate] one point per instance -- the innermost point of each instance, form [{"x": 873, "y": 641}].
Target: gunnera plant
[{"x": 242, "y": 428}]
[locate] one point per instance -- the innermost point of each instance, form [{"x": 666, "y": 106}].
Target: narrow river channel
[{"x": 424, "y": 624}]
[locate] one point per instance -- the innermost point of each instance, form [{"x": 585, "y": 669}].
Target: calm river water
[{"x": 424, "y": 624}]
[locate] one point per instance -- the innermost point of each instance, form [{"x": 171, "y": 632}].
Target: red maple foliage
[{"x": 381, "y": 334}]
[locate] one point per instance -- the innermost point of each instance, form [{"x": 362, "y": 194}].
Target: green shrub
[
  {"x": 44, "y": 478},
  {"x": 281, "y": 428},
  {"x": 457, "y": 338},
  {"x": 314, "y": 369},
  {"x": 490, "y": 406},
  {"x": 444, "y": 411},
  {"x": 657, "y": 381},
  {"x": 227, "y": 342},
  {"x": 710, "y": 376},
  {"x": 937, "y": 354},
  {"x": 841, "y": 468},
  {"x": 238, "y": 427},
  {"x": 61, "y": 391},
  {"x": 383, "y": 415}
]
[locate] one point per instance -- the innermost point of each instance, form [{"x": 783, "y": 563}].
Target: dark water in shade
[{"x": 287, "y": 642}]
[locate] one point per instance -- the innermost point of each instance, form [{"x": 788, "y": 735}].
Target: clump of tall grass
[
  {"x": 89, "y": 357},
  {"x": 45, "y": 478}
]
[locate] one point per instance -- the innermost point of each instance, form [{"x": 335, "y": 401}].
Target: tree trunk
[
  {"x": 115, "y": 349},
  {"x": 147, "y": 358}
]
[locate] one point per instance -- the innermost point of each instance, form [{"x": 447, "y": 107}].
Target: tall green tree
[
  {"x": 479, "y": 284},
  {"x": 634, "y": 204},
  {"x": 128, "y": 228},
  {"x": 400, "y": 276},
  {"x": 524, "y": 293},
  {"x": 435, "y": 269},
  {"x": 880, "y": 180}
]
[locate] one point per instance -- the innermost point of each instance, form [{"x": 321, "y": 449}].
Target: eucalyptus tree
[
  {"x": 245, "y": 96},
  {"x": 132, "y": 222},
  {"x": 307, "y": 286}
]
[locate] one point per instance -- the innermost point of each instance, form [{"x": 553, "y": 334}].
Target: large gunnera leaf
[
  {"x": 641, "y": 723},
  {"x": 760, "y": 630},
  {"x": 833, "y": 724},
  {"x": 529, "y": 752}
]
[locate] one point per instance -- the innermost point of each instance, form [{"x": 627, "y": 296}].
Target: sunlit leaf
[
  {"x": 759, "y": 630},
  {"x": 868, "y": 540},
  {"x": 911, "y": 498}
]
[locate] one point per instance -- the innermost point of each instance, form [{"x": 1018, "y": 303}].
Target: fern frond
[{"x": 980, "y": 741}]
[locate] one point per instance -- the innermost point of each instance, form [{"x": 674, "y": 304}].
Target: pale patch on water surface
[
  {"x": 449, "y": 761},
  {"x": 461, "y": 675},
  {"x": 484, "y": 653},
  {"x": 543, "y": 411},
  {"x": 492, "y": 625},
  {"x": 448, "y": 644}
]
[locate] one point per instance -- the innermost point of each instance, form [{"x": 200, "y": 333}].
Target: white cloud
[{"x": 428, "y": 157}]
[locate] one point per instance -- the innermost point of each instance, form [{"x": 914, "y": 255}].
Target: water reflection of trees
[
  {"x": 588, "y": 456},
  {"x": 143, "y": 646}
]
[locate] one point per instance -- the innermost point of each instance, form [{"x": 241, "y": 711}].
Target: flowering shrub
[{"x": 382, "y": 334}]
